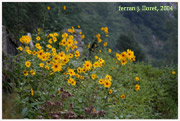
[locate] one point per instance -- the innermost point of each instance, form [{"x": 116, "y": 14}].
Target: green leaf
[{"x": 24, "y": 112}]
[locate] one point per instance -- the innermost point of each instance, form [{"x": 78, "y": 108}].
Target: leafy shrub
[{"x": 52, "y": 81}]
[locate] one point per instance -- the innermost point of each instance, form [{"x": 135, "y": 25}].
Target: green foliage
[{"x": 88, "y": 98}]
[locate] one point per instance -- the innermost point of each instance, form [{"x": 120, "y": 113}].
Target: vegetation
[{"x": 54, "y": 81}]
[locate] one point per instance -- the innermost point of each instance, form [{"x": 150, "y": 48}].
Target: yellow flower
[
  {"x": 56, "y": 34},
  {"x": 73, "y": 82},
  {"x": 89, "y": 45},
  {"x": 123, "y": 61},
  {"x": 93, "y": 76},
  {"x": 100, "y": 51},
  {"x": 78, "y": 26},
  {"x": 83, "y": 70},
  {"x": 59, "y": 92},
  {"x": 107, "y": 35},
  {"x": 118, "y": 56},
  {"x": 123, "y": 55},
  {"x": 83, "y": 36},
  {"x": 101, "y": 81},
  {"x": 48, "y": 8},
  {"x": 77, "y": 54},
  {"x": 69, "y": 80},
  {"x": 110, "y": 91},
  {"x": 56, "y": 58},
  {"x": 108, "y": 77},
  {"x": 102, "y": 28},
  {"x": 38, "y": 38},
  {"x": 64, "y": 35},
  {"x": 40, "y": 54},
  {"x": 49, "y": 46},
  {"x": 81, "y": 77},
  {"x": 130, "y": 54},
  {"x": 105, "y": 43},
  {"x": 96, "y": 57},
  {"x": 71, "y": 72},
  {"x": 56, "y": 67},
  {"x": 79, "y": 69},
  {"x": 87, "y": 65},
  {"x": 32, "y": 92},
  {"x": 133, "y": 59},
  {"x": 32, "y": 72},
  {"x": 75, "y": 42},
  {"x": 94, "y": 110},
  {"x": 106, "y": 30},
  {"x": 69, "y": 42},
  {"x": 38, "y": 46},
  {"x": 38, "y": 29},
  {"x": 47, "y": 67},
  {"x": 99, "y": 40},
  {"x": 66, "y": 60},
  {"x": 173, "y": 72},
  {"x": 25, "y": 39},
  {"x": 96, "y": 64},
  {"x": 101, "y": 60},
  {"x": 25, "y": 73},
  {"x": 44, "y": 58},
  {"x": 137, "y": 78},
  {"x": 63, "y": 42},
  {"x": 54, "y": 39},
  {"x": 77, "y": 76},
  {"x": 62, "y": 55},
  {"x": 70, "y": 55},
  {"x": 64, "y": 7},
  {"x": 20, "y": 48},
  {"x": 34, "y": 52},
  {"x": 41, "y": 65},
  {"x": 109, "y": 50},
  {"x": 51, "y": 73},
  {"x": 123, "y": 96},
  {"x": 48, "y": 62},
  {"x": 137, "y": 87},
  {"x": 29, "y": 51},
  {"x": 28, "y": 64},
  {"x": 26, "y": 48},
  {"x": 50, "y": 41},
  {"x": 107, "y": 83}
]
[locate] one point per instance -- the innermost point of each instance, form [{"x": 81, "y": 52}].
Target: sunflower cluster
[
  {"x": 55, "y": 60},
  {"x": 106, "y": 81},
  {"x": 98, "y": 36},
  {"x": 50, "y": 57},
  {"x": 68, "y": 42},
  {"x": 71, "y": 30},
  {"x": 125, "y": 55},
  {"x": 105, "y": 29},
  {"x": 137, "y": 86},
  {"x": 25, "y": 39}
]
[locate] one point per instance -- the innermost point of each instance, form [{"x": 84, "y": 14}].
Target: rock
[
  {"x": 31, "y": 43},
  {"x": 9, "y": 43}
]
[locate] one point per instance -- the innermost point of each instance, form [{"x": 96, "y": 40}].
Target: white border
[{"x": 85, "y": 1}]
